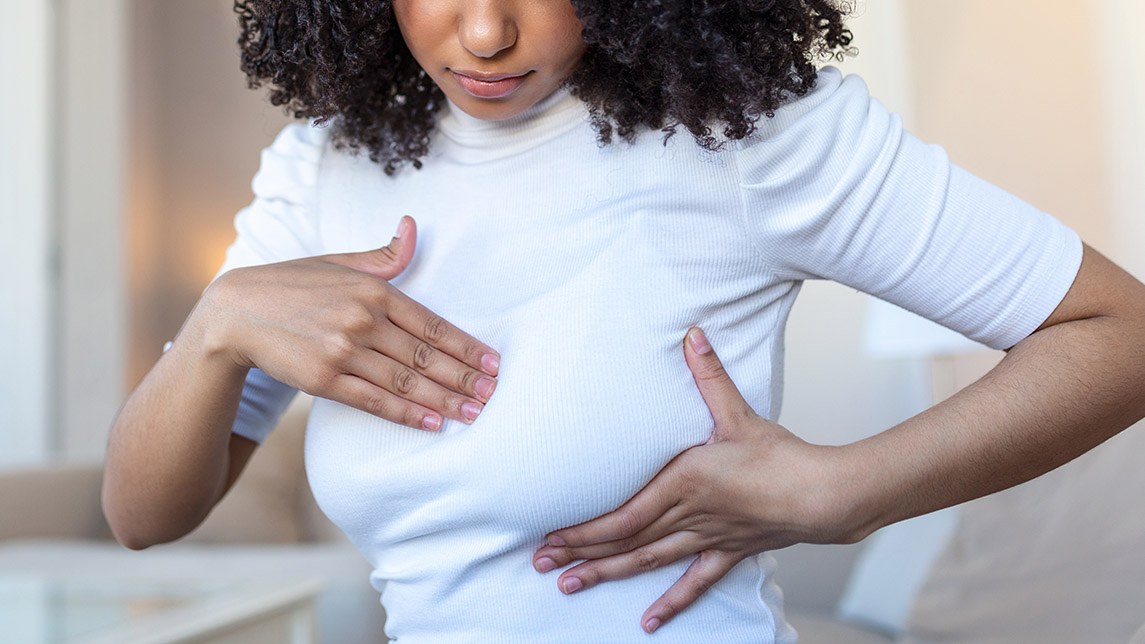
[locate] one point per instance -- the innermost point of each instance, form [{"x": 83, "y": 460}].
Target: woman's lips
[{"x": 488, "y": 86}]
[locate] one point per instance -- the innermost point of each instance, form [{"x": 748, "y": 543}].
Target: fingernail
[
  {"x": 401, "y": 227},
  {"x": 544, "y": 564},
  {"x": 490, "y": 362},
  {"x": 571, "y": 585},
  {"x": 485, "y": 387},
  {"x": 431, "y": 422},
  {"x": 700, "y": 342},
  {"x": 470, "y": 410},
  {"x": 652, "y": 625},
  {"x": 554, "y": 540}
]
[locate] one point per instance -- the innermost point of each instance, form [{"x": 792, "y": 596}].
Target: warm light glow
[{"x": 209, "y": 249}]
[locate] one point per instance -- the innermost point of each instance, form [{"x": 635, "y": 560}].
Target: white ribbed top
[{"x": 584, "y": 266}]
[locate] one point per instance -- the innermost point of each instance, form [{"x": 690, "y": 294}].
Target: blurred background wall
[
  {"x": 133, "y": 140},
  {"x": 196, "y": 135},
  {"x": 1020, "y": 94},
  {"x": 27, "y": 231}
]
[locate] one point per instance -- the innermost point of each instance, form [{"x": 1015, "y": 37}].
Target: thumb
[
  {"x": 721, "y": 395},
  {"x": 390, "y": 260}
]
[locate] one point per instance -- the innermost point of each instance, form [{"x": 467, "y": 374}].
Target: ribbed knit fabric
[{"x": 584, "y": 265}]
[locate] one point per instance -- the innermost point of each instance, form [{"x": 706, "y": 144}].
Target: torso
[{"x": 584, "y": 267}]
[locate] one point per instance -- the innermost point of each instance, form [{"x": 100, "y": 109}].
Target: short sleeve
[
  {"x": 279, "y": 225},
  {"x": 834, "y": 188}
]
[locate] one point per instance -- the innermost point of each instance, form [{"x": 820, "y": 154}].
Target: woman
[{"x": 578, "y": 266}]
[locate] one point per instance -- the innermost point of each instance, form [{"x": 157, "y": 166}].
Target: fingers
[
  {"x": 388, "y": 261},
  {"x": 436, "y": 365},
  {"x": 670, "y": 549},
  {"x": 439, "y": 333},
  {"x": 724, "y": 400},
  {"x": 427, "y": 343},
  {"x": 378, "y": 351},
  {"x": 372, "y": 399},
  {"x": 404, "y": 381},
  {"x": 702, "y": 574},
  {"x": 396, "y": 345},
  {"x": 705, "y": 571},
  {"x": 651, "y": 502},
  {"x": 411, "y": 368},
  {"x": 558, "y": 557}
]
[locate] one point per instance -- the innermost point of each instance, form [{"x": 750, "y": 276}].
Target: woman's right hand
[{"x": 334, "y": 327}]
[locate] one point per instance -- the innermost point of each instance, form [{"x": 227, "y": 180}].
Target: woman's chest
[
  {"x": 586, "y": 290},
  {"x": 582, "y": 417},
  {"x": 511, "y": 230}
]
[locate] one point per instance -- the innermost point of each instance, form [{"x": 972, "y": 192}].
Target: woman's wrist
[
  {"x": 209, "y": 332},
  {"x": 857, "y": 502}
]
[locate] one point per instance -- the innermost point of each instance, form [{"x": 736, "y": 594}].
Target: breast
[
  {"x": 588, "y": 306},
  {"x": 593, "y": 398}
]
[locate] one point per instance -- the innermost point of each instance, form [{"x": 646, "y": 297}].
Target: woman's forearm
[
  {"x": 168, "y": 454},
  {"x": 755, "y": 486},
  {"x": 1072, "y": 384},
  {"x": 331, "y": 326}
]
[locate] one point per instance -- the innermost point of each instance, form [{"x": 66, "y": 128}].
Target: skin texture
[
  {"x": 755, "y": 486},
  {"x": 331, "y": 326},
  {"x": 539, "y": 39}
]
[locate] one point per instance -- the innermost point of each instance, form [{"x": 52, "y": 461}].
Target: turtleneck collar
[{"x": 473, "y": 140}]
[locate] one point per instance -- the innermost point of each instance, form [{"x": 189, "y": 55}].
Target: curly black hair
[{"x": 659, "y": 64}]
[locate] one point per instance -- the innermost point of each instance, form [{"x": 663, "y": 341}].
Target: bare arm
[
  {"x": 171, "y": 455},
  {"x": 332, "y": 326},
  {"x": 1073, "y": 383}
]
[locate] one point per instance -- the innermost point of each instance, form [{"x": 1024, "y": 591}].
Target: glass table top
[{"x": 39, "y": 610}]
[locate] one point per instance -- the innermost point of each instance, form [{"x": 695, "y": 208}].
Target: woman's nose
[{"x": 487, "y": 28}]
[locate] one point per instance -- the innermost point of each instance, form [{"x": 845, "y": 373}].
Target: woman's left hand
[{"x": 753, "y": 486}]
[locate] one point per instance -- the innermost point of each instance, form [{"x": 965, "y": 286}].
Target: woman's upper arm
[
  {"x": 1100, "y": 289},
  {"x": 239, "y": 451},
  {"x": 844, "y": 193}
]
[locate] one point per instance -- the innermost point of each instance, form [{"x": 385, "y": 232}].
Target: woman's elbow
[{"x": 137, "y": 528}]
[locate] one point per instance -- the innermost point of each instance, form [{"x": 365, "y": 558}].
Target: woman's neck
[{"x": 477, "y": 139}]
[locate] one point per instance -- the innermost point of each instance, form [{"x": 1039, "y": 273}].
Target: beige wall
[
  {"x": 193, "y": 151},
  {"x": 1122, "y": 72},
  {"x": 27, "y": 232},
  {"x": 1011, "y": 89},
  {"x": 92, "y": 338}
]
